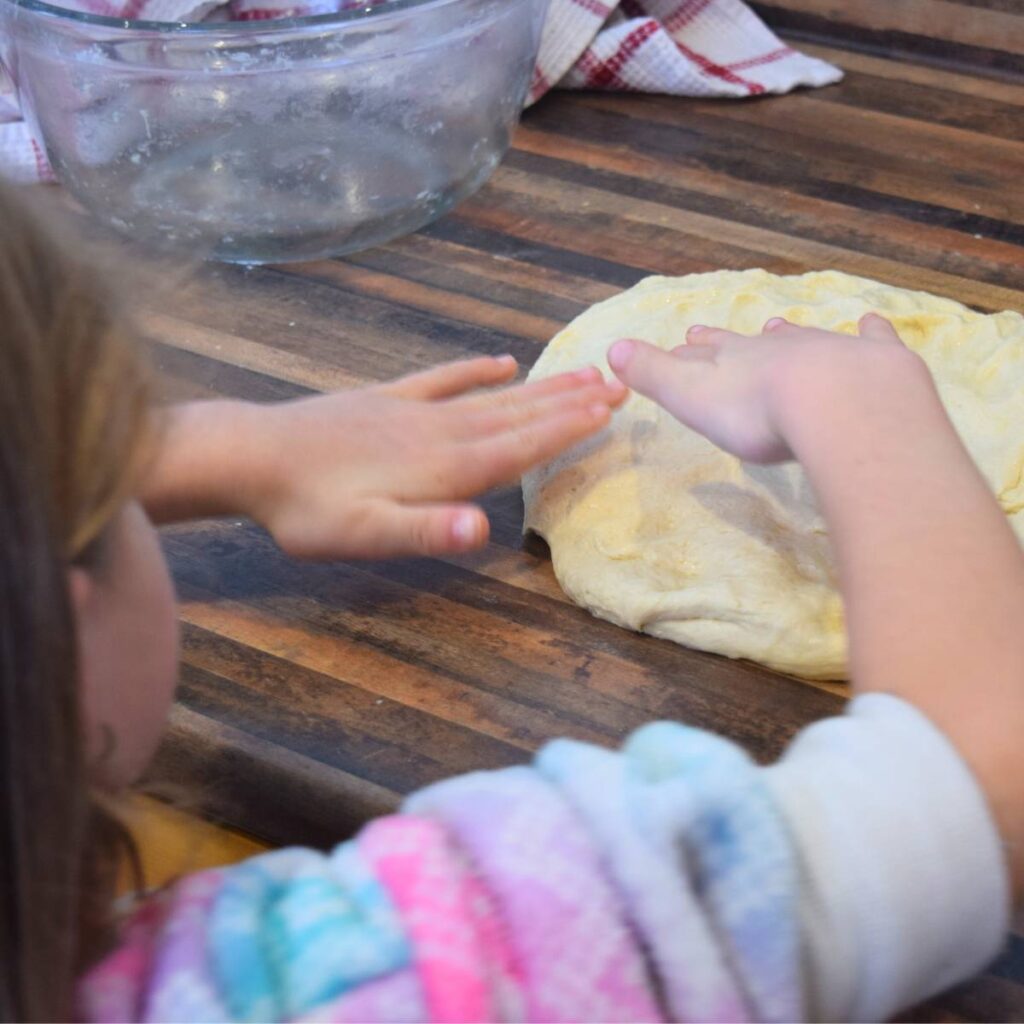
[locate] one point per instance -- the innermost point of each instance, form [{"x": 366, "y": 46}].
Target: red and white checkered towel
[{"x": 680, "y": 47}]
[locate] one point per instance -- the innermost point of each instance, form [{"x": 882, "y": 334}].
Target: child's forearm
[{"x": 931, "y": 573}]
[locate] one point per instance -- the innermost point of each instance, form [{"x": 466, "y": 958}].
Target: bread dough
[{"x": 654, "y": 528}]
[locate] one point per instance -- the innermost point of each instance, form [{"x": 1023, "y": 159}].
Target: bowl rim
[{"x": 265, "y": 25}]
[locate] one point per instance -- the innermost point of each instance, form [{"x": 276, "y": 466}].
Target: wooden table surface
[{"x": 314, "y": 696}]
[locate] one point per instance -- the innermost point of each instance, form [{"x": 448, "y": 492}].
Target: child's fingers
[
  {"x": 661, "y": 376},
  {"x": 503, "y": 458},
  {"x": 699, "y": 334},
  {"x": 877, "y": 328},
  {"x": 559, "y": 384},
  {"x": 699, "y": 351},
  {"x": 386, "y": 529},
  {"x": 528, "y": 409},
  {"x": 453, "y": 378}
]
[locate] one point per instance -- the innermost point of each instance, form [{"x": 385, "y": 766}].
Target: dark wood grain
[
  {"x": 314, "y": 696},
  {"x": 986, "y": 36}
]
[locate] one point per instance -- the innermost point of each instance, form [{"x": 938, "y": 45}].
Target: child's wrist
[
  {"x": 246, "y": 459},
  {"x": 212, "y": 459}
]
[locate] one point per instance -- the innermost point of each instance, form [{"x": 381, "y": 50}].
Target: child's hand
[
  {"x": 931, "y": 573},
  {"x": 379, "y": 471},
  {"x": 731, "y": 388}
]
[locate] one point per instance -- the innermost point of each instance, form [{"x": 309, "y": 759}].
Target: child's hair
[{"x": 73, "y": 414}]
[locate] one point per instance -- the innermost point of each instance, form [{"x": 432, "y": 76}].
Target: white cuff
[{"x": 905, "y": 890}]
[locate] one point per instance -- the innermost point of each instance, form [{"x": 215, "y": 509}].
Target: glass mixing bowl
[{"x": 268, "y": 141}]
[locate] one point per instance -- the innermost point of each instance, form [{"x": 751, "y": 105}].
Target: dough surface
[{"x": 654, "y": 528}]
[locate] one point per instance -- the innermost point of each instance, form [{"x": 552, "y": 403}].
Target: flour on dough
[{"x": 656, "y": 529}]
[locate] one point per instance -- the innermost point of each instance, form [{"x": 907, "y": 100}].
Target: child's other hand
[
  {"x": 737, "y": 391},
  {"x": 384, "y": 471}
]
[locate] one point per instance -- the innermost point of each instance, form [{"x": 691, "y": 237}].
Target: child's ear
[
  {"x": 81, "y": 588},
  {"x": 92, "y": 652}
]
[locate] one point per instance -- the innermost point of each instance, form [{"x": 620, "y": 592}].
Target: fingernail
[
  {"x": 599, "y": 411},
  {"x": 696, "y": 329},
  {"x": 588, "y": 373},
  {"x": 620, "y": 354},
  {"x": 507, "y": 360},
  {"x": 465, "y": 528},
  {"x": 776, "y": 321}
]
